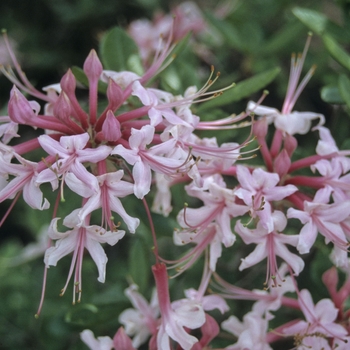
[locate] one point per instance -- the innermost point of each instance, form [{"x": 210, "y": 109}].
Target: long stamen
[{"x": 26, "y": 86}]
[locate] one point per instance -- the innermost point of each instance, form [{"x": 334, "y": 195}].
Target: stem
[{"x": 154, "y": 236}]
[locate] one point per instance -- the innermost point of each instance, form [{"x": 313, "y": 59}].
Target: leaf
[
  {"x": 82, "y": 78},
  {"x": 282, "y": 38},
  {"x": 119, "y": 52},
  {"x": 179, "y": 47},
  {"x": 316, "y": 21},
  {"x": 139, "y": 263},
  {"x": 344, "y": 88},
  {"x": 331, "y": 94},
  {"x": 336, "y": 51},
  {"x": 242, "y": 89},
  {"x": 226, "y": 29},
  {"x": 162, "y": 71},
  {"x": 82, "y": 315}
]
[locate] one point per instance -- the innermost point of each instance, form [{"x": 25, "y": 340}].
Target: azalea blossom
[
  {"x": 143, "y": 160},
  {"x": 189, "y": 314},
  {"x": 270, "y": 244},
  {"x": 124, "y": 141},
  {"x": 319, "y": 324},
  {"x": 258, "y": 189},
  {"x": 288, "y": 121},
  {"x": 142, "y": 321},
  {"x": 320, "y": 216},
  {"x": 76, "y": 240},
  {"x": 101, "y": 343},
  {"x": 251, "y": 332},
  {"x": 71, "y": 153},
  {"x": 104, "y": 192},
  {"x": 211, "y": 223},
  {"x": 26, "y": 174}
]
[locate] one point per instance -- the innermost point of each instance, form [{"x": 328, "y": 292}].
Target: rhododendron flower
[
  {"x": 71, "y": 152},
  {"x": 319, "y": 216},
  {"x": 75, "y": 240},
  {"x": 142, "y": 321},
  {"x": 320, "y": 321},
  {"x": 287, "y": 121},
  {"x": 189, "y": 314},
  {"x": 104, "y": 192},
  {"x": 101, "y": 343},
  {"x": 257, "y": 189},
  {"x": 26, "y": 176},
  {"x": 251, "y": 332},
  {"x": 270, "y": 244}
]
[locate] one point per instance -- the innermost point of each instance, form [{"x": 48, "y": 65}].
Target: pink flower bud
[
  {"x": 114, "y": 95},
  {"x": 330, "y": 280},
  {"x": 290, "y": 144},
  {"x": 20, "y": 110},
  {"x": 282, "y": 163},
  {"x": 260, "y": 128},
  {"x": 62, "y": 108},
  {"x": 111, "y": 127},
  {"x": 68, "y": 83},
  {"x": 121, "y": 341},
  {"x": 92, "y": 66},
  {"x": 209, "y": 330}
]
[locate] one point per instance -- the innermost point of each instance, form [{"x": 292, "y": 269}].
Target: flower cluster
[{"x": 136, "y": 138}]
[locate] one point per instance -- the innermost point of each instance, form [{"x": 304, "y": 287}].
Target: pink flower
[
  {"x": 290, "y": 122},
  {"x": 257, "y": 189},
  {"x": 76, "y": 240},
  {"x": 211, "y": 223},
  {"x": 121, "y": 341},
  {"x": 287, "y": 121},
  {"x": 332, "y": 172},
  {"x": 104, "y": 192},
  {"x": 320, "y": 321},
  {"x": 8, "y": 129},
  {"x": 144, "y": 160},
  {"x": 270, "y": 244},
  {"x": 173, "y": 321},
  {"x": 71, "y": 153},
  {"x": 251, "y": 332},
  {"x": 101, "y": 343},
  {"x": 319, "y": 216},
  {"x": 142, "y": 321},
  {"x": 25, "y": 176}
]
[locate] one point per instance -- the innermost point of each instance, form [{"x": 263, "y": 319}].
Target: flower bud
[
  {"x": 290, "y": 144},
  {"x": 68, "y": 83},
  {"x": 21, "y": 110},
  {"x": 121, "y": 341},
  {"x": 260, "y": 128},
  {"x": 62, "y": 108},
  {"x": 114, "y": 95},
  {"x": 282, "y": 163},
  {"x": 92, "y": 66},
  {"x": 111, "y": 127}
]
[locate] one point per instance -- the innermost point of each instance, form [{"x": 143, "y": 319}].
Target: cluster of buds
[{"x": 147, "y": 137}]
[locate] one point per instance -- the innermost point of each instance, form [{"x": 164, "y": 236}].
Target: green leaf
[
  {"x": 336, "y": 51},
  {"x": 283, "y": 38},
  {"x": 82, "y": 78},
  {"x": 242, "y": 89},
  {"x": 226, "y": 29},
  {"x": 179, "y": 47},
  {"x": 119, "y": 52},
  {"x": 344, "y": 88},
  {"x": 139, "y": 263},
  {"x": 331, "y": 94},
  {"x": 314, "y": 20},
  {"x": 82, "y": 315}
]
